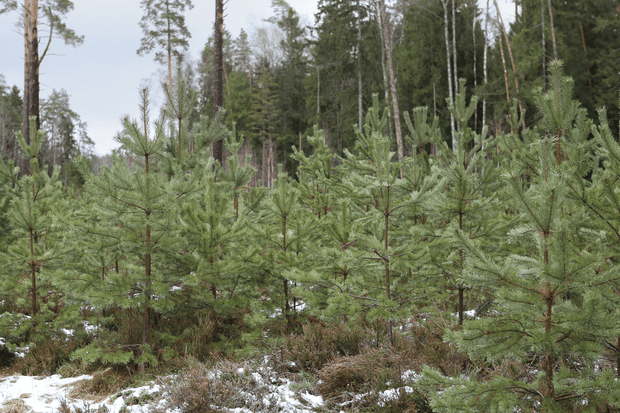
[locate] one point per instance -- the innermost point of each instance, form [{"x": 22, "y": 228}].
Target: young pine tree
[
  {"x": 136, "y": 203},
  {"x": 541, "y": 346},
  {"x": 34, "y": 250}
]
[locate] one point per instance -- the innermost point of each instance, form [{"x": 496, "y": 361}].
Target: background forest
[{"x": 401, "y": 186}]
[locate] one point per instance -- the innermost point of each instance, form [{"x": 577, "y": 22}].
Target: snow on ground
[{"x": 44, "y": 395}]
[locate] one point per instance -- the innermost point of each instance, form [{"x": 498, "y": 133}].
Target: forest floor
[
  {"x": 320, "y": 368},
  {"x": 263, "y": 390}
]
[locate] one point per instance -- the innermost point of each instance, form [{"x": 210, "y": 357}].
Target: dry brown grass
[
  {"x": 65, "y": 408},
  {"x": 368, "y": 370},
  {"x": 44, "y": 358},
  {"x": 14, "y": 406},
  {"x": 425, "y": 346},
  {"x": 227, "y": 385},
  {"x": 102, "y": 385},
  {"x": 318, "y": 344}
]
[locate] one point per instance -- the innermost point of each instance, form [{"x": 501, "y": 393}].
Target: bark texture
[{"x": 218, "y": 62}]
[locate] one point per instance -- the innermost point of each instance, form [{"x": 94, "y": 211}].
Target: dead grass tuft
[
  {"x": 102, "y": 385},
  {"x": 14, "y": 406},
  {"x": 65, "y": 408},
  {"x": 368, "y": 370},
  {"x": 228, "y": 385},
  {"x": 318, "y": 344},
  {"x": 425, "y": 346},
  {"x": 45, "y": 357}
]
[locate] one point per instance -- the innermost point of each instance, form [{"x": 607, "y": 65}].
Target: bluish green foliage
[
  {"x": 34, "y": 251},
  {"x": 549, "y": 320}
]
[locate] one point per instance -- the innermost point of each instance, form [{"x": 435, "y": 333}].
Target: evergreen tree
[
  {"x": 33, "y": 252},
  {"x": 333, "y": 87},
  {"x": 549, "y": 323},
  {"x": 465, "y": 201},
  {"x": 136, "y": 202},
  {"x": 163, "y": 25}
]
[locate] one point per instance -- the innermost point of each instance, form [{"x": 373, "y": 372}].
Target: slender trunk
[
  {"x": 318, "y": 92},
  {"x": 33, "y": 277},
  {"x": 501, "y": 51},
  {"x": 386, "y": 87},
  {"x": 585, "y": 53},
  {"x": 227, "y": 90},
  {"x": 555, "y": 47},
  {"x": 388, "y": 293},
  {"x": 484, "y": 69},
  {"x": 147, "y": 264},
  {"x": 516, "y": 11},
  {"x": 455, "y": 72},
  {"x": 218, "y": 63},
  {"x": 264, "y": 165},
  {"x": 512, "y": 62},
  {"x": 544, "y": 58},
  {"x": 271, "y": 162},
  {"x": 169, "y": 51},
  {"x": 548, "y": 361},
  {"x": 387, "y": 34},
  {"x": 31, "y": 71},
  {"x": 618, "y": 359},
  {"x": 461, "y": 290},
  {"x": 445, "y": 20},
  {"x": 287, "y": 306},
  {"x": 475, "y": 62},
  {"x": 359, "y": 67}
]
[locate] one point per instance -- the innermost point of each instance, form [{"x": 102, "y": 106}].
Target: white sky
[{"x": 102, "y": 75}]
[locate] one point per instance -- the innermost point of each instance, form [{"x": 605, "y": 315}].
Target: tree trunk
[
  {"x": 512, "y": 61},
  {"x": 455, "y": 73},
  {"x": 445, "y": 20},
  {"x": 484, "y": 68},
  {"x": 31, "y": 72},
  {"x": 218, "y": 63},
  {"x": 475, "y": 62},
  {"x": 544, "y": 58},
  {"x": 585, "y": 52},
  {"x": 501, "y": 51},
  {"x": 169, "y": 54},
  {"x": 387, "y": 34},
  {"x": 359, "y": 67},
  {"x": 555, "y": 47},
  {"x": 384, "y": 71}
]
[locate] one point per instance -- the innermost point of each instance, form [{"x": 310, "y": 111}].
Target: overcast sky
[{"x": 102, "y": 75}]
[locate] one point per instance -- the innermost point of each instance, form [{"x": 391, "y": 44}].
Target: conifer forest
[{"x": 405, "y": 185}]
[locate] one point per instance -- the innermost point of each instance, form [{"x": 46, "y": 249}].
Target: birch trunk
[
  {"x": 501, "y": 51},
  {"x": 384, "y": 70},
  {"x": 456, "y": 76},
  {"x": 512, "y": 61},
  {"x": 445, "y": 20},
  {"x": 387, "y": 34}
]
